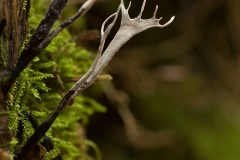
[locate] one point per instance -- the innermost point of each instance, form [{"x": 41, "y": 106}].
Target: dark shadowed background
[{"x": 175, "y": 93}]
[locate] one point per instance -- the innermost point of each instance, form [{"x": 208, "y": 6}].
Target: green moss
[{"x": 40, "y": 88}]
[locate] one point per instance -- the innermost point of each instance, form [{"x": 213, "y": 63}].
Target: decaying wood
[{"x": 13, "y": 29}]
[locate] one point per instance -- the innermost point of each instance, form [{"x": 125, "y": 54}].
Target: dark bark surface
[{"x": 13, "y": 29}]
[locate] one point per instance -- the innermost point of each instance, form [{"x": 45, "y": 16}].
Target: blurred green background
[{"x": 175, "y": 91}]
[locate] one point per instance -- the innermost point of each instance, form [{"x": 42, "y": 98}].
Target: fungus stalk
[{"x": 128, "y": 28}]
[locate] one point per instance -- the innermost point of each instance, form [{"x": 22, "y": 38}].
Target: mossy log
[{"x": 13, "y": 29}]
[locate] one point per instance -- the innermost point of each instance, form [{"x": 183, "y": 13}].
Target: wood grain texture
[{"x": 14, "y": 27}]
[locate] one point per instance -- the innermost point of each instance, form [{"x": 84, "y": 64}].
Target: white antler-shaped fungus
[{"x": 128, "y": 28}]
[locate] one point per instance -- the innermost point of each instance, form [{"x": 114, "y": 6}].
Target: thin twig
[
  {"x": 47, "y": 142},
  {"x": 83, "y": 9},
  {"x": 103, "y": 77},
  {"x": 42, "y": 38},
  {"x": 37, "y": 45},
  {"x": 30, "y": 51}
]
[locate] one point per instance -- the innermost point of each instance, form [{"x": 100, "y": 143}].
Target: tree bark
[{"x": 13, "y": 29}]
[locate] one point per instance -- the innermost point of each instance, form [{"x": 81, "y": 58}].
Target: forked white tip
[
  {"x": 103, "y": 25},
  {"x": 155, "y": 12},
  {"x": 143, "y": 5},
  {"x": 169, "y": 22},
  {"x": 129, "y": 5}
]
